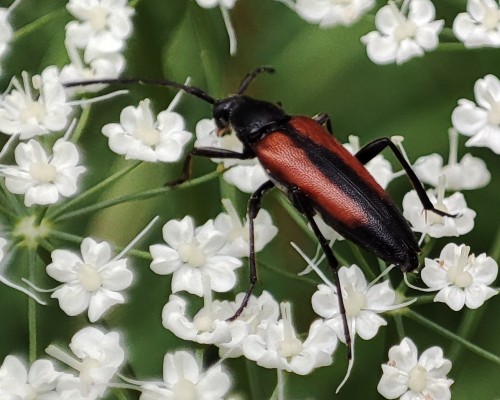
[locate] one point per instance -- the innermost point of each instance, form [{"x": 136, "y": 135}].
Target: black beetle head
[
  {"x": 250, "y": 118},
  {"x": 221, "y": 113}
]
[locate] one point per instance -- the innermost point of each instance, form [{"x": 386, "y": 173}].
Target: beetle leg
[
  {"x": 324, "y": 119},
  {"x": 211, "y": 152},
  {"x": 253, "y": 209},
  {"x": 370, "y": 150},
  {"x": 247, "y": 80},
  {"x": 303, "y": 205}
]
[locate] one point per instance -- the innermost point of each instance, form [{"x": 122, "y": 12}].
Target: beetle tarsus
[{"x": 252, "y": 210}]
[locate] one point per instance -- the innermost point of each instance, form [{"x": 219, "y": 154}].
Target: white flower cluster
[
  {"x": 408, "y": 31},
  {"x": 480, "y": 25},
  {"x": 202, "y": 260},
  {"x": 409, "y": 377},
  {"x": 99, "y": 34},
  {"x": 42, "y": 177},
  {"x": 400, "y": 36},
  {"x": 91, "y": 281},
  {"x": 460, "y": 279},
  {"x": 480, "y": 121},
  {"x": 328, "y": 13},
  {"x": 97, "y": 359},
  {"x": 139, "y": 136},
  {"x": 210, "y": 253}
]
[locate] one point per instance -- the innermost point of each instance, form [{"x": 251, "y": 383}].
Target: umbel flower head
[
  {"x": 460, "y": 278},
  {"x": 43, "y": 179},
  {"x": 191, "y": 253},
  {"x": 434, "y": 225},
  {"x": 482, "y": 121},
  {"x": 468, "y": 173},
  {"x": 183, "y": 378},
  {"x": 401, "y": 37},
  {"x": 103, "y": 27},
  {"x": 139, "y": 136},
  {"x": 91, "y": 281},
  {"x": 36, "y": 382},
  {"x": 277, "y": 345},
  {"x": 99, "y": 357},
  {"x": 480, "y": 25},
  {"x": 24, "y": 113},
  {"x": 362, "y": 302},
  {"x": 409, "y": 377},
  {"x": 327, "y": 13}
]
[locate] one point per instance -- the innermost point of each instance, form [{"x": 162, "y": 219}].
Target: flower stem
[
  {"x": 82, "y": 121},
  {"x": 106, "y": 182},
  {"x": 448, "y": 35},
  {"x": 289, "y": 275},
  {"x": 398, "y": 320},
  {"x": 136, "y": 196},
  {"x": 495, "y": 246},
  {"x": 119, "y": 394},
  {"x": 12, "y": 200},
  {"x": 38, "y": 23},
  {"x": 32, "y": 308},
  {"x": 453, "y": 336},
  {"x": 466, "y": 329},
  {"x": 254, "y": 384},
  {"x": 424, "y": 299},
  {"x": 7, "y": 213}
]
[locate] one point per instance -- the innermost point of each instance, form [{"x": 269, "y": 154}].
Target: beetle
[{"x": 318, "y": 175}]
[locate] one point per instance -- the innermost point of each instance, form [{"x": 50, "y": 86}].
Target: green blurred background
[{"x": 318, "y": 70}]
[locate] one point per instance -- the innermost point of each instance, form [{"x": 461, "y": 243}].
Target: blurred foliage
[{"x": 317, "y": 70}]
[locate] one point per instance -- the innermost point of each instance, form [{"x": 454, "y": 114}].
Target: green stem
[
  {"x": 447, "y": 34},
  {"x": 452, "y": 46},
  {"x": 118, "y": 393},
  {"x": 7, "y": 213},
  {"x": 32, "y": 309},
  {"x": 33, "y": 26},
  {"x": 82, "y": 121},
  {"x": 13, "y": 200},
  {"x": 100, "y": 186},
  {"x": 428, "y": 298},
  {"x": 289, "y": 275},
  {"x": 453, "y": 336},
  {"x": 136, "y": 196},
  {"x": 495, "y": 247},
  {"x": 256, "y": 392},
  {"x": 398, "y": 320},
  {"x": 466, "y": 329},
  {"x": 41, "y": 212}
]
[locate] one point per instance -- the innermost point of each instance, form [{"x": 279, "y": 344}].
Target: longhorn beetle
[{"x": 316, "y": 173}]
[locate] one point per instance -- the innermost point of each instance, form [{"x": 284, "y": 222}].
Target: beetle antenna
[
  {"x": 160, "y": 82},
  {"x": 247, "y": 80}
]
